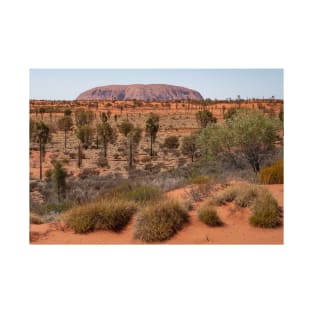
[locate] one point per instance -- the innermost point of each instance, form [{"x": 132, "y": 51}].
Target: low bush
[
  {"x": 103, "y": 214},
  {"x": 272, "y": 174},
  {"x": 160, "y": 221},
  {"x": 35, "y": 218},
  {"x": 266, "y": 213},
  {"x": 171, "y": 142},
  {"x": 208, "y": 215}
]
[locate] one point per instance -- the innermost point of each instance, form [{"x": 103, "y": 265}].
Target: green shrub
[
  {"x": 103, "y": 214},
  {"x": 171, "y": 142},
  {"x": 160, "y": 221},
  {"x": 266, "y": 211},
  {"x": 273, "y": 174},
  {"x": 208, "y": 215},
  {"x": 35, "y": 218}
]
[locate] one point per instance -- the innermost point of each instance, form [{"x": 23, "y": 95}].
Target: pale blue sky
[{"x": 67, "y": 84}]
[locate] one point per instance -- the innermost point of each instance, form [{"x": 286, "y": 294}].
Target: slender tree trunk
[
  {"x": 40, "y": 159},
  {"x": 130, "y": 161},
  {"x": 104, "y": 148},
  {"x": 64, "y": 138},
  {"x": 79, "y": 155},
  {"x": 59, "y": 196},
  {"x": 151, "y": 143}
]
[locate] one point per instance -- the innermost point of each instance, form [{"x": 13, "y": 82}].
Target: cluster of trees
[{"x": 245, "y": 136}]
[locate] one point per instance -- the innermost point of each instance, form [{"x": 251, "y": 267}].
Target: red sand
[{"x": 235, "y": 231}]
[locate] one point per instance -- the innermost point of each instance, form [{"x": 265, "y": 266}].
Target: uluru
[{"x": 145, "y": 92}]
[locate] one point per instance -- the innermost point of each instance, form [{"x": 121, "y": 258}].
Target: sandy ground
[{"x": 236, "y": 229}]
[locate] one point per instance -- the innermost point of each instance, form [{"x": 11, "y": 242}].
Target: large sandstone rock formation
[{"x": 160, "y": 92}]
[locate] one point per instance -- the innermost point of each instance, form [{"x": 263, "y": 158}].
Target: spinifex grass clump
[
  {"x": 246, "y": 194},
  {"x": 266, "y": 211},
  {"x": 160, "y": 221},
  {"x": 106, "y": 214},
  {"x": 273, "y": 174},
  {"x": 208, "y": 215},
  {"x": 228, "y": 195}
]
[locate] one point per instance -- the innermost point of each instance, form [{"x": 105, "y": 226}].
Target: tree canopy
[{"x": 247, "y": 137}]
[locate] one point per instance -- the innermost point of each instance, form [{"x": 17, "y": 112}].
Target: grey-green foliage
[
  {"x": 39, "y": 133},
  {"x": 58, "y": 179},
  {"x": 248, "y": 137},
  {"x": 152, "y": 128},
  {"x": 205, "y": 117},
  {"x": 85, "y": 134},
  {"x": 189, "y": 146},
  {"x": 107, "y": 135}
]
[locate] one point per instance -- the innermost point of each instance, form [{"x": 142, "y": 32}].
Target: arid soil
[{"x": 236, "y": 229}]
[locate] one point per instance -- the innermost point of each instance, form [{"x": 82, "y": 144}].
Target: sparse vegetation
[{"x": 128, "y": 175}]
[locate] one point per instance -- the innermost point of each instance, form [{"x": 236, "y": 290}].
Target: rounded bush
[
  {"x": 266, "y": 212},
  {"x": 208, "y": 215},
  {"x": 171, "y": 142},
  {"x": 103, "y": 214},
  {"x": 160, "y": 221}
]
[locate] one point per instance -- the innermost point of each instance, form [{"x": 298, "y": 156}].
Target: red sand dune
[{"x": 235, "y": 231}]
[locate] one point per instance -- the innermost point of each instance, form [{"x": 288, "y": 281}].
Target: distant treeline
[{"x": 139, "y": 103}]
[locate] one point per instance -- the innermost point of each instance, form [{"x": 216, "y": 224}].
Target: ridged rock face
[{"x": 150, "y": 92}]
